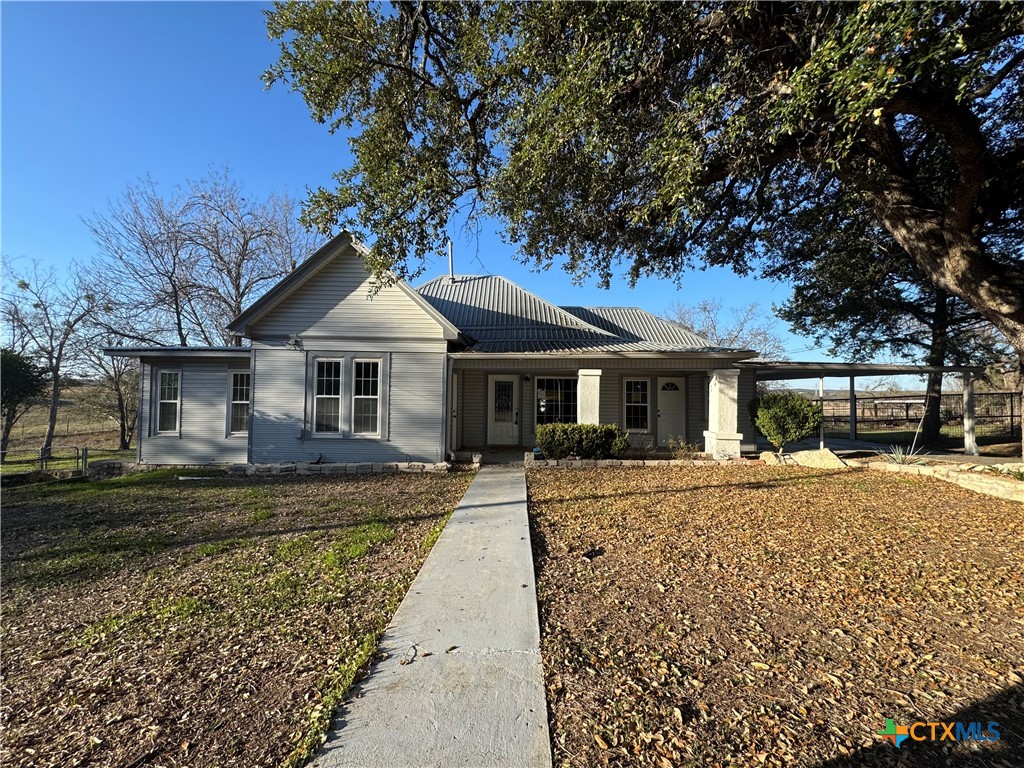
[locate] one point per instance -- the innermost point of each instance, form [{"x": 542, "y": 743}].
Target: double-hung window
[
  {"x": 638, "y": 405},
  {"x": 366, "y": 397},
  {"x": 327, "y": 397},
  {"x": 556, "y": 401},
  {"x": 168, "y": 401},
  {"x": 240, "y": 394}
]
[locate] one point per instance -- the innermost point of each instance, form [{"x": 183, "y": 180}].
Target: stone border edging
[
  {"x": 987, "y": 483},
  {"x": 351, "y": 468},
  {"x": 109, "y": 469},
  {"x": 530, "y": 462}
]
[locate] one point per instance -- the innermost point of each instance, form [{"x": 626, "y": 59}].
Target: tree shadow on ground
[{"x": 1005, "y": 707}]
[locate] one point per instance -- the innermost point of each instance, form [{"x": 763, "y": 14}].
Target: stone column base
[{"x": 723, "y": 445}]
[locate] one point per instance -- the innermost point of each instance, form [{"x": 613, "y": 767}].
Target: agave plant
[{"x": 897, "y": 454}]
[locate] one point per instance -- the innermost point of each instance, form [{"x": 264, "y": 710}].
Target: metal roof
[
  {"x": 769, "y": 370},
  {"x": 478, "y": 304},
  {"x": 177, "y": 351},
  {"x": 636, "y": 324},
  {"x": 501, "y": 317}
]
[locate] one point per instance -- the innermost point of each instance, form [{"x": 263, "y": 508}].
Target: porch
[{"x": 497, "y": 405}]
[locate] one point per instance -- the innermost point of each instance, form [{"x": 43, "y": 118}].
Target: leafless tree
[
  {"x": 184, "y": 264},
  {"x": 746, "y": 327},
  {"x": 50, "y": 318},
  {"x": 116, "y": 394}
]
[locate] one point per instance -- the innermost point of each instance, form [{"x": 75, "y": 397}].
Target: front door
[
  {"x": 671, "y": 410},
  {"x": 503, "y": 410}
]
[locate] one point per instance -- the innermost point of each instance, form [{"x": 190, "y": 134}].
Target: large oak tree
[{"x": 660, "y": 134}]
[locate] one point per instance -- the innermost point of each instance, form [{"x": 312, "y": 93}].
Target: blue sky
[{"x": 98, "y": 95}]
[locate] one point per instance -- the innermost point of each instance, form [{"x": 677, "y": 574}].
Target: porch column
[
  {"x": 722, "y": 438},
  {"x": 970, "y": 443},
  {"x": 588, "y": 396}
]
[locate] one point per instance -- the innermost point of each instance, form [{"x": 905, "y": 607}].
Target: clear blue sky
[{"x": 98, "y": 95}]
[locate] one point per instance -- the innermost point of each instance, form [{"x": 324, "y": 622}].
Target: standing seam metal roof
[{"x": 502, "y": 317}]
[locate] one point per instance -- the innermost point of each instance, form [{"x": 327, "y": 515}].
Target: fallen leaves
[
  {"x": 144, "y": 623},
  {"x": 770, "y": 616}
]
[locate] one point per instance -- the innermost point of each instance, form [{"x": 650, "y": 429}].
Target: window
[
  {"x": 240, "y": 387},
  {"x": 556, "y": 401},
  {"x": 366, "y": 397},
  {"x": 167, "y": 405},
  {"x": 327, "y": 397},
  {"x": 637, "y": 405}
]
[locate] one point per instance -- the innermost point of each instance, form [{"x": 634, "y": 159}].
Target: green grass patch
[
  {"x": 433, "y": 535},
  {"x": 91, "y": 555},
  {"x": 357, "y": 542},
  {"x": 214, "y": 548}
]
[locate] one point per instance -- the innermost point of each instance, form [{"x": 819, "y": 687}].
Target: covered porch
[{"x": 496, "y": 403}]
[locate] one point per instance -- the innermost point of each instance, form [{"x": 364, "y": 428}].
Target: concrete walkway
[{"x": 462, "y": 684}]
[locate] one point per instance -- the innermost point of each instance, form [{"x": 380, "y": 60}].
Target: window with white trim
[
  {"x": 327, "y": 397},
  {"x": 366, "y": 397},
  {"x": 637, "y": 405},
  {"x": 239, "y": 407},
  {"x": 168, "y": 406},
  {"x": 556, "y": 401}
]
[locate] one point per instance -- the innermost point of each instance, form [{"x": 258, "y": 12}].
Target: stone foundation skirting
[
  {"x": 966, "y": 476},
  {"x": 360, "y": 468}
]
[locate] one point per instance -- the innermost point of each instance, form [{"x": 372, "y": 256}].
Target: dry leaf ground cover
[
  {"x": 151, "y": 621},
  {"x": 747, "y": 616}
]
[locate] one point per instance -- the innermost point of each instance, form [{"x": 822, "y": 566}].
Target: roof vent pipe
[{"x": 451, "y": 263}]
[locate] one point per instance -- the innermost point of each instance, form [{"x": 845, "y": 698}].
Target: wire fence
[
  {"x": 895, "y": 419},
  {"x": 58, "y": 457}
]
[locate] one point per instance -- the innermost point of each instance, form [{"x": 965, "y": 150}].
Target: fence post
[
  {"x": 821, "y": 405},
  {"x": 970, "y": 443},
  {"x": 42, "y": 459},
  {"x": 85, "y": 461},
  {"x": 853, "y": 409}
]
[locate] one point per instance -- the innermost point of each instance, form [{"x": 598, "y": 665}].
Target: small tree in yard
[
  {"x": 784, "y": 417},
  {"x": 21, "y": 380}
]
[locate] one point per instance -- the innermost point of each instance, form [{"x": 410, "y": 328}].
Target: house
[{"x": 338, "y": 372}]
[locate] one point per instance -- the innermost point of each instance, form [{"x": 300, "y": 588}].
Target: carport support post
[
  {"x": 853, "y": 408},
  {"x": 970, "y": 443},
  {"x": 821, "y": 404}
]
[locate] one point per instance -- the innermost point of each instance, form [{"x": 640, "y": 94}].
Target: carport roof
[{"x": 784, "y": 369}]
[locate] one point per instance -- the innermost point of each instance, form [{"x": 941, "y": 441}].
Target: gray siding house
[{"x": 338, "y": 370}]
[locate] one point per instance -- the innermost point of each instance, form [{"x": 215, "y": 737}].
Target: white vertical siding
[
  {"x": 745, "y": 395},
  {"x": 203, "y": 403},
  {"x": 412, "y": 407},
  {"x": 696, "y": 408},
  {"x": 474, "y": 409},
  {"x": 338, "y": 302}
]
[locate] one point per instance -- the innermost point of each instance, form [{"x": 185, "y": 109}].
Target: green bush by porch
[{"x": 587, "y": 441}]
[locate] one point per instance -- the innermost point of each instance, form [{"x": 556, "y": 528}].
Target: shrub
[
  {"x": 680, "y": 449},
  {"x": 784, "y": 417},
  {"x": 587, "y": 441}
]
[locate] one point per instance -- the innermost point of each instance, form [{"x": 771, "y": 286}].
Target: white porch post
[
  {"x": 722, "y": 438},
  {"x": 853, "y": 409},
  {"x": 588, "y": 396},
  {"x": 970, "y": 443},
  {"x": 821, "y": 404}
]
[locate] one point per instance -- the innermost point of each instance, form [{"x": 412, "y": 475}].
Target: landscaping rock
[
  {"x": 770, "y": 458},
  {"x": 821, "y": 459}
]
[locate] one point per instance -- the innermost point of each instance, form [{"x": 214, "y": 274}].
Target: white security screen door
[
  {"x": 671, "y": 410},
  {"x": 503, "y": 410}
]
